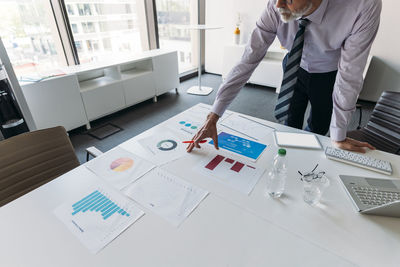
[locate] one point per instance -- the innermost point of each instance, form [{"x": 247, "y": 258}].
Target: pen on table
[{"x": 192, "y": 141}]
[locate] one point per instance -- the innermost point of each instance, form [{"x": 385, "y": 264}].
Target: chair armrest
[{"x": 92, "y": 151}]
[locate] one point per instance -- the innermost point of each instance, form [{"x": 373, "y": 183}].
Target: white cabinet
[
  {"x": 55, "y": 102},
  {"x": 94, "y": 90},
  {"x": 268, "y": 73},
  {"x": 166, "y": 73},
  {"x": 138, "y": 81},
  {"x": 103, "y": 100},
  {"x": 138, "y": 88}
]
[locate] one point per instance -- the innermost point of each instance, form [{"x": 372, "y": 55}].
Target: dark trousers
[{"x": 317, "y": 89}]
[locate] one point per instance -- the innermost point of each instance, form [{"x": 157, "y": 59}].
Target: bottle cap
[{"x": 282, "y": 152}]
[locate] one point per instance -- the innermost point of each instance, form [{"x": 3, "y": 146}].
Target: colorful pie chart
[{"x": 121, "y": 164}]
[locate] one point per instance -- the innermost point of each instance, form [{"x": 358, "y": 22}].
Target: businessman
[{"x": 329, "y": 42}]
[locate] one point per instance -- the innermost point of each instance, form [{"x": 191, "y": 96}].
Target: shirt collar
[{"x": 318, "y": 14}]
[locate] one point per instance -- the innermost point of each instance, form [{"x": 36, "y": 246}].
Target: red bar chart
[
  {"x": 236, "y": 165},
  {"x": 235, "y": 173}
]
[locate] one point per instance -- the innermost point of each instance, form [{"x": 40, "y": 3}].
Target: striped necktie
[{"x": 290, "y": 74}]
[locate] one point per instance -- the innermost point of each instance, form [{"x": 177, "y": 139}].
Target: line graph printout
[
  {"x": 166, "y": 195},
  {"x": 119, "y": 167},
  {"x": 247, "y": 126},
  {"x": 98, "y": 216},
  {"x": 234, "y": 173}
]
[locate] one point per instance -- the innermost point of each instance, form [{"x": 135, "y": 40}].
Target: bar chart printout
[
  {"x": 234, "y": 173},
  {"x": 98, "y": 217}
]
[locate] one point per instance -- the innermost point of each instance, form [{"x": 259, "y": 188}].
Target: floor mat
[{"x": 104, "y": 131}]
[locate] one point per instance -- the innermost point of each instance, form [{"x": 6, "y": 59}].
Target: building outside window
[
  {"x": 172, "y": 17},
  {"x": 74, "y": 28},
  {"x": 88, "y": 27},
  {"x": 110, "y": 28},
  {"x": 70, "y": 10},
  {"x": 29, "y": 33}
]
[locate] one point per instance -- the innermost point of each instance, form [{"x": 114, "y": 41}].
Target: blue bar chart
[{"x": 98, "y": 202}]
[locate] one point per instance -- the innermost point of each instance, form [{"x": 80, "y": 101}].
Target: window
[
  {"x": 38, "y": 41},
  {"x": 30, "y": 35},
  {"x": 74, "y": 28},
  {"x": 110, "y": 28},
  {"x": 78, "y": 45},
  {"x": 88, "y": 27},
  {"x": 70, "y": 10},
  {"x": 84, "y": 9},
  {"x": 172, "y": 16}
]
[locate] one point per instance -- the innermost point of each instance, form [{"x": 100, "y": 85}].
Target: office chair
[
  {"x": 32, "y": 159},
  {"x": 383, "y": 128}
]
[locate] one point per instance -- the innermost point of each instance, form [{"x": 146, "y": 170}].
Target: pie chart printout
[
  {"x": 167, "y": 145},
  {"x": 121, "y": 164}
]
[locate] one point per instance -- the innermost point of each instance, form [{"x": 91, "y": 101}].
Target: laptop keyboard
[{"x": 375, "y": 197}]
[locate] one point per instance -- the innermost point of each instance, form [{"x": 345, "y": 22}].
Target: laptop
[{"x": 373, "y": 195}]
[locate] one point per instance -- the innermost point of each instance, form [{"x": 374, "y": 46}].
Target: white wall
[
  {"x": 384, "y": 72},
  {"x": 224, "y": 13}
]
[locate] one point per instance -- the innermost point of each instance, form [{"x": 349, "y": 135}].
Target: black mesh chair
[{"x": 383, "y": 128}]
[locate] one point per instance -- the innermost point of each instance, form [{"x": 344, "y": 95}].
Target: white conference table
[{"x": 227, "y": 229}]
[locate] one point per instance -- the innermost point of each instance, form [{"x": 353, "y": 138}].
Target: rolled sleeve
[
  {"x": 349, "y": 80},
  {"x": 260, "y": 40}
]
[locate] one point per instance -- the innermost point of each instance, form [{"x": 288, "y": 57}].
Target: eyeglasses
[
  {"x": 287, "y": 2},
  {"x": 311, "y": 175}
]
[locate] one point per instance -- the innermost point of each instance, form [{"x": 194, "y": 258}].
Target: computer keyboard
[
  {"x": 374, "y": 196},
  {"x": 359, "y": 160}
]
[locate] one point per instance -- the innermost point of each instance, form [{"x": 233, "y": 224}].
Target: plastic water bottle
[{"x": 277, "y": 175}]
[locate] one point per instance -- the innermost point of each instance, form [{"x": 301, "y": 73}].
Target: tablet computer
[{"x": 303, "y": 140}]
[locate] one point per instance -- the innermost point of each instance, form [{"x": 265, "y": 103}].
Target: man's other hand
[
  {"x": 353, "y": 145},
  {"x": 208, "y": 130}
]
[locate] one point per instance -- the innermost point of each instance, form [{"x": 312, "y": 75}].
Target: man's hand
[
  {"x": 209, "y": 129},
  {"x": 353, "y": 145}
]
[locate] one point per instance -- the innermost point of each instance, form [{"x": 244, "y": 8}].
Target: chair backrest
[
  {"x": 32, "y": 159},
  {"x": 384, "y": 124}
]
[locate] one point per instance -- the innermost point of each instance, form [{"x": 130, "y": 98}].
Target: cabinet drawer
[
  {"x": 139, "y": 89},
  {"x": 103, "y": 100}
]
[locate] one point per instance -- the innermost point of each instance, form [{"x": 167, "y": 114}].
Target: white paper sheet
[
  {"x": 166, "y": 195},
  {"x": 119, "y": 167},
  {"x": 163, "y": 147},
  {"x": 187, "y": 123},
  {"x": 202, "y": 110},
  {"x": 247, "y": 126},
  {"x": 98, "y": 216},
  {"x": 227, "y": 169}
]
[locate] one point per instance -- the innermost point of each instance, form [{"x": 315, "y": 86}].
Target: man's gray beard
[{"x": 294, "y": 15}]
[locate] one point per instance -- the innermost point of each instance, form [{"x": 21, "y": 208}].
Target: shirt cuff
[
  {"x": 218, "y": 108},
  {"x": 337, "y": 134}
]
